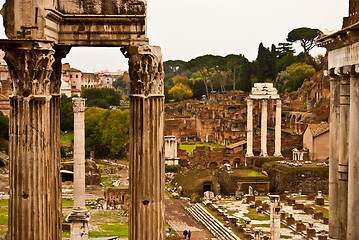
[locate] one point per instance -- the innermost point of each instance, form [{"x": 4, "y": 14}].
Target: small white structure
[
  {"x": 300, "y": 155},
  {"x": 264, "y": 92},
  {"x": 171, "y": 151}
]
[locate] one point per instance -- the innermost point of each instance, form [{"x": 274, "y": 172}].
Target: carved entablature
[
  {"x": 102, "y": 7},
  {"x": 146, "y": 70},
  {"x": 78, "y": 104},
  {"x": 30, "y": 70}
]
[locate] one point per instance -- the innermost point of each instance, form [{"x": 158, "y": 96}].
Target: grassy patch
[
  {"x": 108, "y": 230},
  {"x": 3, "y": 220},
  {"x": 4, "y": 203},
  {"x": 261, "y": 225},
  {"x": 253, "y": 173},
  {"x": 65, "y": 234},
  {"x": 67, "y": 203},
  {"x": 67, "y": 139},
  {"x": 254, "y": 215},
  {"x": 190, "y": 147}
]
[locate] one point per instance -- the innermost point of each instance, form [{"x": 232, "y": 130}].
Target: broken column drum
[
  {"x": 34, "y": 146},
  {"x": 147, "y": 167},
  {"x": 79, "y": 216},
  {"x": 275, "y": 217}
]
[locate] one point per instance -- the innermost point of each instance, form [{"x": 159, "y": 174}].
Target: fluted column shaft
[
  {"x": 334, "y": 121},
  {"x": 278, "y": 128},
  {"x": 34, "y": 146},
  {"x": 249, "y": 128},
  {"x": 353, "y": 193},
  {"x": 264, "y": 128},
  {"x": 146, "y": 220},
  {"x": 343, "y": 155}
]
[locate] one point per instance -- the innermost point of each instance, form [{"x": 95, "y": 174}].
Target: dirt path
[{"x": 179, "y": 220}]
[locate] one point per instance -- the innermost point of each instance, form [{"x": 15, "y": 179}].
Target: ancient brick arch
[{"x": 41, "y": 33}]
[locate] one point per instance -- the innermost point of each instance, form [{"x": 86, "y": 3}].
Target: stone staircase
[{"x": 211, "y": 223}]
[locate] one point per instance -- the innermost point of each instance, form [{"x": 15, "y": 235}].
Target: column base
[
  {"x": 79, "y": 219},
  {"x": 277, "y": 155},
  {"x": 80, "y": 214},
  {"x": 249, "y": 155},
  {"x": 264, "y": 155}
]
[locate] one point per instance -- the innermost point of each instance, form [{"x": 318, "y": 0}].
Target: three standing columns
[
  {"x": 344, "y": 153},
  {"x": 34, "y": 146},
  {"x": 79, "y": 216},
  {"x": 264, "y": 119},
  {"x": 147, "y": 167}
]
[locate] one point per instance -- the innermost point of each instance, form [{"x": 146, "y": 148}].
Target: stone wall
[{"x": 309, "y": 180}]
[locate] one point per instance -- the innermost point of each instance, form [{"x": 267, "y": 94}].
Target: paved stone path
[{"x": 179, "y": 220}]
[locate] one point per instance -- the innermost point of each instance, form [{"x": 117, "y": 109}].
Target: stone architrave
[
  {"x": 147, "y": 166},
  {"x": 275, "y": 213},
  {"x": 264, "y": 128},
  {"x": 278, "y": 128},
  {"x": 34, "y": 145},
  {"x": 343, "y": 152},
  {"x": 353, "y": 195},
  {"x": 79, "y": 216},
  {"x": 249, "y": 152}
]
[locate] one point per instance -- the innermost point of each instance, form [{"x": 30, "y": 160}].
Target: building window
[{"x": 77, "y": 76}]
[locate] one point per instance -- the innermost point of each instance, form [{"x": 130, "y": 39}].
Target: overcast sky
[{"x": 186, "y": 29}]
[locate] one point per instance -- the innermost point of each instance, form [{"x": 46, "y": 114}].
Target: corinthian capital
[
  {"x": 30, "y": 70},
  {"x": 78, "y": 104},
  {"x": 146, "y": 70}
]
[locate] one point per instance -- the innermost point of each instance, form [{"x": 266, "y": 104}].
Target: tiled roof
[{"x": 318, "y": 129}]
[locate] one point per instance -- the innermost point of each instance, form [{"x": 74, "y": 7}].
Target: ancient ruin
[
  {"x": 40, "y": 34},
  {"x": 264, "y": 92},
  {"x": 343, "y": 69},
  {"x": 171, "y": 157}
]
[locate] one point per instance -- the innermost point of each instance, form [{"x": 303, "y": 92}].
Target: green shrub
[{"x": 174, "y": 168}]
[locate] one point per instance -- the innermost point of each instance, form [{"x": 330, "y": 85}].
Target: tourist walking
[
  {"x": 189, "y": 234},
  {"x": 185, "y": 234}
]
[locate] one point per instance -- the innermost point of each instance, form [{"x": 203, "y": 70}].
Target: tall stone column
[
  {"x": 34, "y": 146},
  {"x": 343, "y": 153},
  {"x": 334, "y": 123},
  {"x": 79, "y": 216},
  {"x": 278, "y": 128},
  {"x": 275, "y": 217},
  {"x": 264, "y": 128},
  {"x": 249, "y": 128},
  {"x": 353, "y": 183},
  {"x": 147, "y": 168}
]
